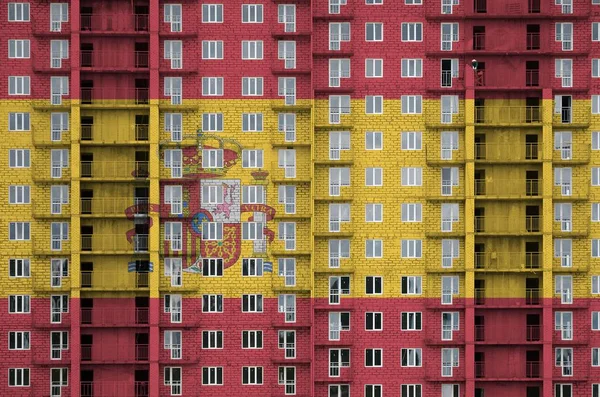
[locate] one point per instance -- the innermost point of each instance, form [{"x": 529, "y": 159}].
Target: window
[
  {"x": 287, "y": 234},
  {"x": 19, "y": 231},
  {"x": 411, "y": 140},
  {"x": 373, "y": 68},
  {"x": 253, "y": 230},
  {"x": 411, "y": 104},
  {"x": 253, "y": 194},
  {"x": 374, "y": 177},
  {"x": 563, "y": 214},
  {"x": 595, "y": 321},
  {"x": 338, "y": 69},
  {"x": 450, "y": 251},
  {"x": 174, "y": 52},
  {"x": 252, "y": 303},
  {"x": 412, "y": 68},
  {"x": 212, "y": 376},
  {"x": 58, "y": 379},
  {"x": 374, "y": 358},
  {"x": 252, "y": 13},
  {"x": 373, "y": 212},
  {"x": 449, "y": 35},
  {"x": 564, "y": 34},
  {"x": 449, "y": 216},
  {"x": 59, "y": 304},
  {"x": 563, "y": 69},
  {"x": 18, "y": 49},
  {"x": 412, "y": 31},
  {"x": 287, "y": 306},
  {"x": 373, "y": 390},
  {"x": 19, "y": 267},
  {"x": 212, "y": 49},
  {"x": 212, "y": 158},
  {"x": 212, "y": 231},
  {"x": 172, "y": 305},
  {"x": 595, "y": 386},
  {"x": 450, "y": 323},
  {"x": 338, "y": 33},
  {"x": 59, "y": 232},
  {"x": 286, "y": 87},
  {"x": 411, "y": 176},
  {"x": 212, "y": 303},
  {"x": 338, "y": 214},
  {"x": 252, "y": 50},
  {"x": 173, "y": 197},
  {"x": 373, "y": 2},
  {"x": 287, "y": 125},
  {"x": 450, "y": 390},
  {"x": 374, "y": 31},
  {"x": 18, "y": 304},
  {"x": 595, "y": 285},
  {"x": 212, "y": 86},
  {"x": 252, "y": 339},
  {"x": 338, "y": 177},
  {"x": 252, "y": 375},
  {"x": 411, "y": 390},
  {"x": 563, "y": 286},
  {"x": 59, "y": 196},
  {"x": 212, "y": 267},
  {"x": 287, "y": 161},
  {"x": 252, "y": 158},
  {"x": 18, "y": 158},
  {"x": 374, "y": 285},
  {"x": 563, "y": 177},
  {"x": 59, "y": 159},
  {"x": 212, "y": 339},
  {"x": 19, "y": 194},
  {"x": 287, "y": 377},
  {"x": 449, "y": 108},
  {"x": 212, "y": 122},
  {"x": 286, "y": 14},
  {"x": 338, "y": 249},
  {"x": 212, "y": 194},
  {"x": 373, "y": 248},
  {"x": 173, "y": 269},
  {"x": 596, "y": 358},
  {"x": 563, "y": 249},
  {"x": 173, "y": 380},
  {"x": 338, "y": 286},
  {"x": 449, "y": 289},
  {"x": 18, "y": 12},
  {"x": 374, "y": 104},
  {"x": 59, "y": 86},
  {"x": 411, "y": 212},
  {"x": 373, "y": 321},
  {"x": 252, "y": 86},
  {"x": 449, "y": 361},
  {"x": 338, "y": 105},
  {"x": 338, "y": 321},
  {"x": 286, "y": 51},
  {"x": 411, "y": 321},
  {"x": 563, "y": 390},
  {"x": 18, "y": 377},
  {"x": 411, "y": 357},
  {"x": 252, "y": 122},
  {"x": 252, "y": 267},
  {"x": 173, "y": 16},
  {"x": 287, "y": 270},
  {"x": 59, "y": 13},
  {"x": 595, "y": 31},
  {"x": 18, "y": 122},
  {"x": 287, "y": 197},
  {"x": 173, "y": 234},
  {"x": 172, "y": 342},
  {"x": 373, "y": 140},
  {"x": 595, "y": 104},
  {"x": 174, "y": 89},
  {"x": 339, "y": 390},
  {"x": 596, "y": 67},
  {"x": 173, "y": 124},
  {"x": 212, "y": 13},
  {"x": 19, "y": 85},
  {"x": 18, "y": 340},
  {"x": 564, "y": 360},
  {"x": 411, "y": 248},
  {"x": 411, "y": 285}
]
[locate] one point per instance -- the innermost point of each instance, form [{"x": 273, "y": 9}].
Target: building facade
[{"x": 291, "y": 197}]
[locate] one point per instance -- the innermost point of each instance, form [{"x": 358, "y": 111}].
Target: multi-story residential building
[{"x": 274, "y": 198}]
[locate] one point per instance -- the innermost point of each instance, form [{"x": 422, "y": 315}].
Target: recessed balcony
[
  {"x": 114, "y": 24},
  {"x": 508, "y": 116}
]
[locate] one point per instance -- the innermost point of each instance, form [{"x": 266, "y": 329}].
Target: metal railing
[
  {"x": 114, "y": 280},
  {"x": 114, "y": 205},
  {"x": 114, "y": 242},
  {"x": 507, "y": 115},
  {"x": 113, "y": 59},
  {"x": 114, "y": 317},
  {"x": 508, "y": 187},
  {"x": 507, "y": 152},
  {"x": 114, "y": 169},
  {"x": 114, "y": 133},
  {"x": 483, "y": 296},
  {"x": 510, "y": 225},
  {"x": 114, "y": 96},
  {"x": 508, "y": 260},
  {"x": 114, "y": 23},
  {"x": 116, "y": 353},
  {"x": 114, "y": 389}
]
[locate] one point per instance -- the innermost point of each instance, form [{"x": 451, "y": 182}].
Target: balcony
[
  {"x": 114, "y": 206},
  {"x": 113, "y": 281},
  {"x": 496, "y": 80},
  {"x": 114, "y": 170},
  {"x": 508, "y": 116},
  {"x": 113, "y": 134},
  {"x": 530, "y": 334},
  {"x": 523, "y": 9},
  {"x": 114, "y": 243},
  {"x": 501, "y": 153},
  {"x": 114, "y": 389},
  {"x": 507, "y": 226},
  {"x": 532, "y": 370},
  {"x": 114, "y": 354},
  {"x": 114, "y": 24},
  {"x": 126, "y": 98},
  {"x": 510, "y": 189},
  {"x": 496, "y": 298},
  {"x": 508, "y": 261},
  {"x": 113, "y": 61},
  {"x": 105, "y": 317}
]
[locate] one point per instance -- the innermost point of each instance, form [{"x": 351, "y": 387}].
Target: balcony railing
[
  {"x": 479, "y": 333},
  {"x": 114, "y": 133},
  {"x": 114, "y": 243},
  {"x": 532, "y": 369},
  {"x": 114, "y": 169},
  {"x": 114, "y": 23},
  {"x": 104, "y": 317},
  {"x": 500, "y": 152},
  {"x": 533, "y": 333},
  {"x": 509, "y": 188},
  {"x": 114, "y": 280},
  {"x": 533, "y": 41},
  {"x": 507, "y": 225},
  {"x": 114, "y": 60},
  {"x": 115, "y": 353},
  {"x": 497, "y": 296},
  {"x": 508, "y": 115},
  {"x": 508, "y": 260},
  {"x": 114, "y": 205},
  {"x": 114, "y": 389},
  {"x": 114, "y": 96},
  {"x": 479, "y": 369}
]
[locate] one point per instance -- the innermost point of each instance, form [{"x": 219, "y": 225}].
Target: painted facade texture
[{"x": 291, "y": 197}]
